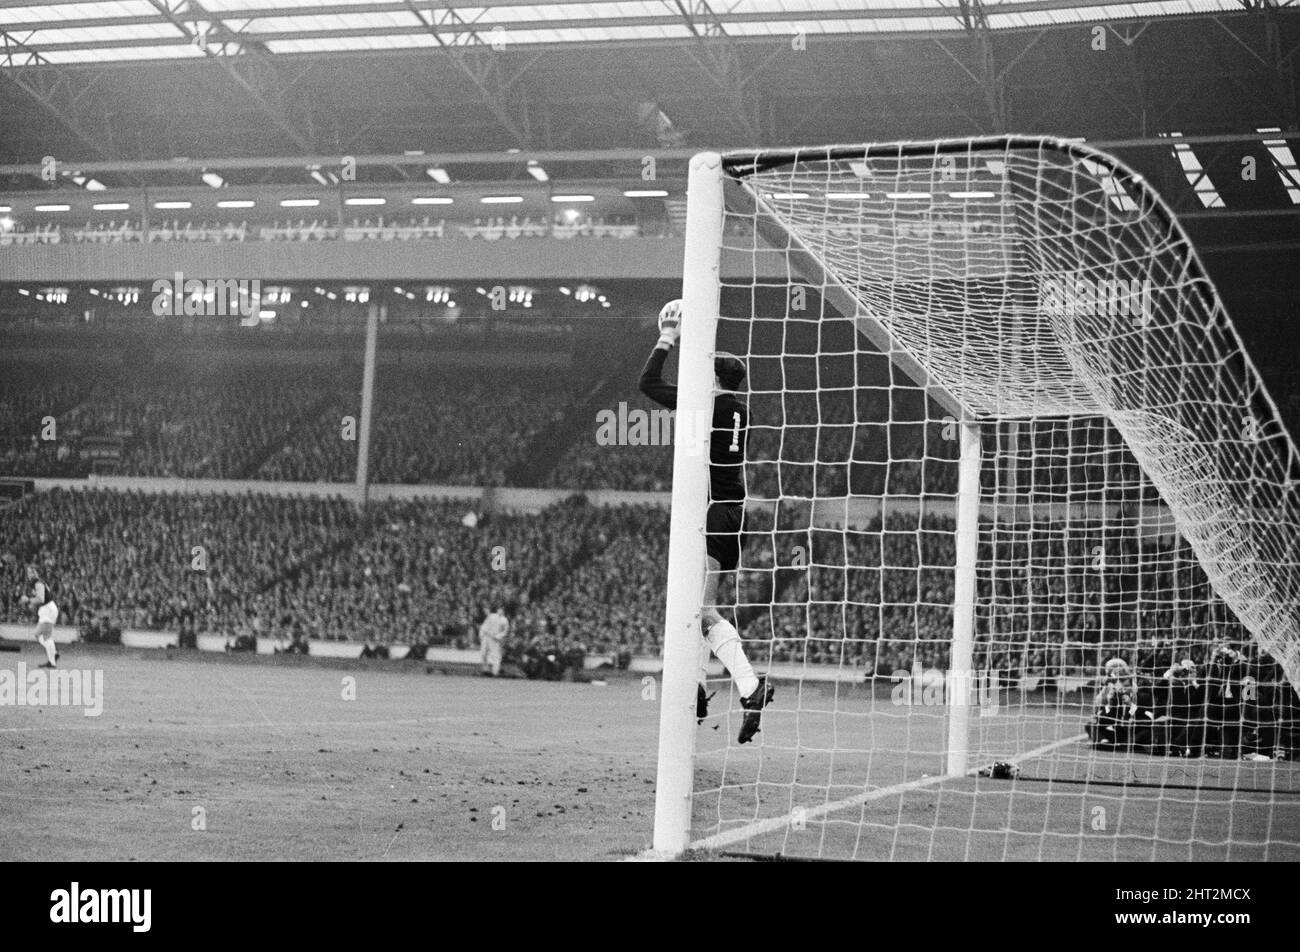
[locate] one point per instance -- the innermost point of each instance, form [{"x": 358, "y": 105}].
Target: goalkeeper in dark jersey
[{"x": 725, "y": 513}]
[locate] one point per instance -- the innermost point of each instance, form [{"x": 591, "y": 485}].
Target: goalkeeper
[{"x": 725, "y": 514}]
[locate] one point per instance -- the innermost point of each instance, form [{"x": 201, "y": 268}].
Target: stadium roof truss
[
  {"x": 67, "y": 32},
  {"x": 61, "y": 54}
]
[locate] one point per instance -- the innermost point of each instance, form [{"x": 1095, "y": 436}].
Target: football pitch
[
  {"x": 257, "y": 759},
  {"x": 845, "y": 778}
]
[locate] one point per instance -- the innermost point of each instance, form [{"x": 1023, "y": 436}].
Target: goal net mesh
[{"x": 1137, "y": 504}]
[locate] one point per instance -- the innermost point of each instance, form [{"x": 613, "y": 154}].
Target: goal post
[
  {"x": 1002, "y": 432},
  {"x": 701, "y": 290},
  {"x": 961, "y": 670}
]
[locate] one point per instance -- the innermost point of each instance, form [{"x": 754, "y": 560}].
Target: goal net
[{"x": 1021, "y": 544}]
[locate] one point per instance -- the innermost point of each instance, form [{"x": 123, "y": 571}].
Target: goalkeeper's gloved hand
[{"x": 670, "y": 324}]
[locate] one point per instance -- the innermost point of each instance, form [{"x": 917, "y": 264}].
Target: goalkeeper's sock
[
  {"x": 725, "y": 643},
  {"x": 48, "y": 644},
  {"x": 704, "y": 661}
]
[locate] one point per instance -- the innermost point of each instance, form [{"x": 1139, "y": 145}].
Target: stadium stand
[
  {"x": 418, "y": 572},
  {"x": 411, "y": 572}
]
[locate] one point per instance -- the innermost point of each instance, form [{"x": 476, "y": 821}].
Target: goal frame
[{"x": 713, "y": 191}]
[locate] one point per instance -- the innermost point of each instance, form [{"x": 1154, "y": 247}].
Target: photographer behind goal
[{"x": 1230, "y": 708}]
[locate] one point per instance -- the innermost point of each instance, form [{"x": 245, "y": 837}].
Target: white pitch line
[
  {"x": 252, "y": 700},
  {"x": 196, "y": 726},
  {"x": 719, "y": 840}
]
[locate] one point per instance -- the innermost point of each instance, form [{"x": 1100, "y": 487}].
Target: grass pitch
[
  {"x": 238, "y": 758},
  {"x": 276, "y": 764}
]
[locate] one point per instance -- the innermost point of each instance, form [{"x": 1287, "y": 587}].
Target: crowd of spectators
[
  {"x": 597, "y": 226},
  {"x": 33, "y": 234},
  {"x": 415, "y": 572},
  {"x": 454, "y": 427},
  {"x": 641, "y": 461},
  {"x": 801, "y": 444},
  {"x": 465, "y": 428},
  {"x": 423, "y": 573},
  {"x": 192, "y": 422},
  {"x": 616, "y": 597},
  {"x": 450, "y": 428},
  {"x": 877, "y": 598},
  {"x": 380, "y": 228},
  {"x": 189, "y": 563},
  {"x": 1048, "y": 603},
  {"x": 49, "y": 233},
  {"x": 31, "y": 398},
  {"x": 230, "y": 418},
  {"x": 273, "y": 422},
  {"x": 323, "y": 447},
  {"x": 804, "y": 443}
]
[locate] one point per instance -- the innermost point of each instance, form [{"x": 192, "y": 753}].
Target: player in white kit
[{"x": 492, "y": 635}]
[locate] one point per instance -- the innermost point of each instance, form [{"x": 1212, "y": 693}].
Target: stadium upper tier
[
  {"x": 363, "y": 211},
  {"x": 530, "y": 404},
  {"x": 128, "y": 30}
]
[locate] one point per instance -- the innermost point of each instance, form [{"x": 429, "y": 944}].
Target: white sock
[
  {"x": 725, "y": 643},
  {"x": 48, "y": 644},
  {"x": 705, "y": 654}
]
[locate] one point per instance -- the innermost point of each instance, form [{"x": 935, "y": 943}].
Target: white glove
[{"x": 670, "y": 323}]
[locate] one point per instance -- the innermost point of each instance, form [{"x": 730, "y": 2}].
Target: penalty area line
[{"x": 758, "y": 828}]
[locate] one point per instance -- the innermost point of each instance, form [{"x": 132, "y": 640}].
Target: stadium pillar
[
  {"x": 367, "y": 403},
  {"x": 701, "y": 291},
  {"x": 961, "y": 676}
]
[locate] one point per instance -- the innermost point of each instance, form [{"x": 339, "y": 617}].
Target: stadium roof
[
  {"x": 141, "y": 80},
  {"x": 66, "y": 32}
]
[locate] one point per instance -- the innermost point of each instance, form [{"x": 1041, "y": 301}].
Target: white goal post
[{"x": 1042, "y": 432}]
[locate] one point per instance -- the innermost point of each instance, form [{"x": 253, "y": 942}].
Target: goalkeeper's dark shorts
[{"x": 722, "y": 533}]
